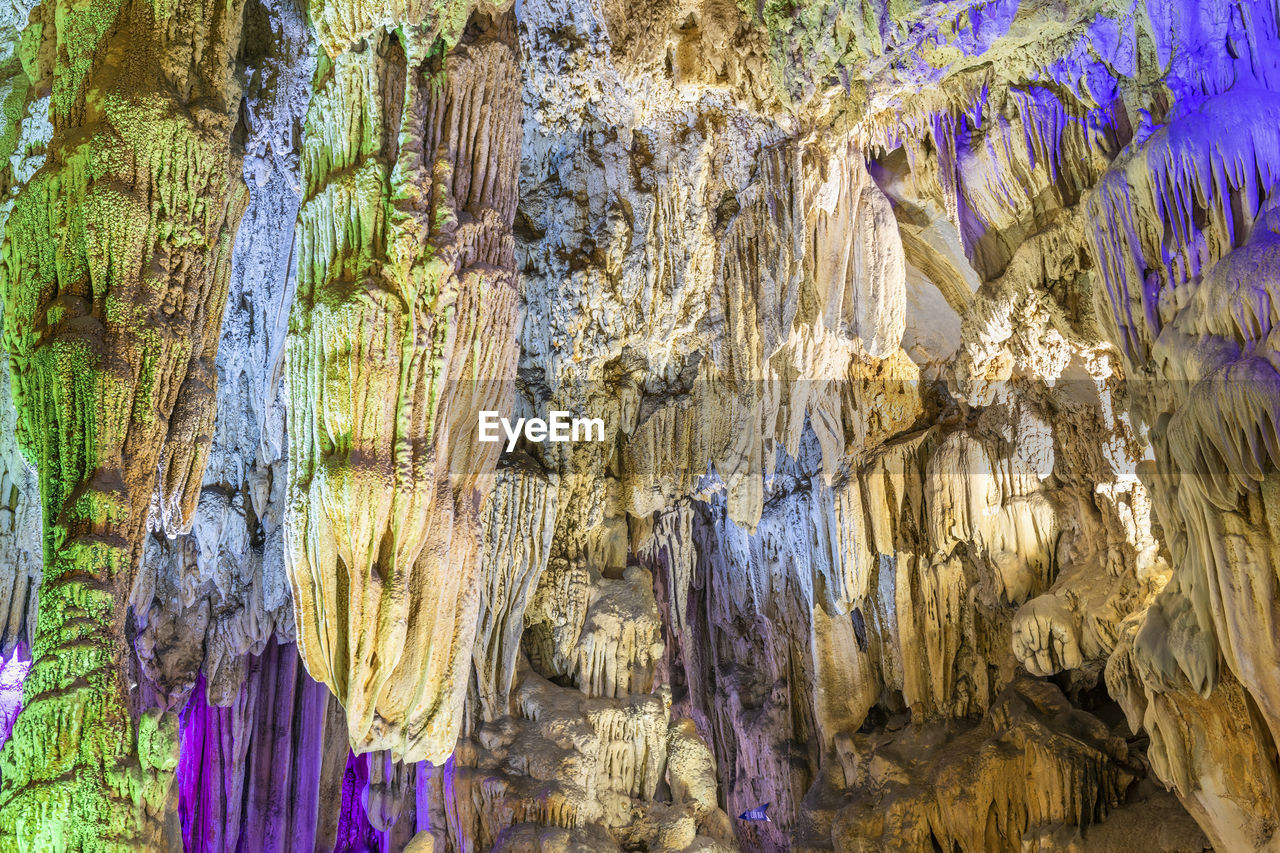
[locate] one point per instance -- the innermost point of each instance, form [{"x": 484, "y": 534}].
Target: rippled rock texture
[
  {"x": 114, "y": 276},
  {"x": 936, "y": 505}
]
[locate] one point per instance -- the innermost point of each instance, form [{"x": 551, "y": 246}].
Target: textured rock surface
[
  {"x": 250, "y": 777},
  {"x": 1192, "y": 671},
  {"x": 936, "y": 506},
  {"x": 114, "y": 276},
  {"x": 204, "y": 600},
  {"x": 401, "y": 333},
  {"x": 26, "y": 132}
]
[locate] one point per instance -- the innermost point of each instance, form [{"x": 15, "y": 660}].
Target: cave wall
[{"x": 933, "y": 349}]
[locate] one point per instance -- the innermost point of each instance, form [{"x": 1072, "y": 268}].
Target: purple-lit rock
[
  {"x": 12, "y": 672},
  {"x": 249, "y": 777}
]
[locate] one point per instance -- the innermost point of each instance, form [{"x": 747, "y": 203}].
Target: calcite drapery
[
  {"x": 250, "y": 777},
  {"x": 1197, "y": 330},
  {"x": 114, "y": 275},
  {"x": 519, "y": 521},
  {"x": 403, "y": 329}
]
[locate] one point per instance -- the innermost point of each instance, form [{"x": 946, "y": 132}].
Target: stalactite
[
  {"x": 880, "y": 304},
  {"x": 1183, "y": 239},
  {"x": 518, "y": 524},
  {"x": 205, "y": 600},
  {"x": 402, "y": 331},
  {"x": 249, "y": 774}
]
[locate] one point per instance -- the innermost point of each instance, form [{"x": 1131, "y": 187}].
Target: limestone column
[{"x": 114, "y": 278}]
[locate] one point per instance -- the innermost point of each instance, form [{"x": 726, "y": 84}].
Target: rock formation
[
  {"x": 114, "y": 277},
  {"x": 935, "y": 499},
  {"x": 205, "y": 600},
  {"x": 401, "y": 333}
]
